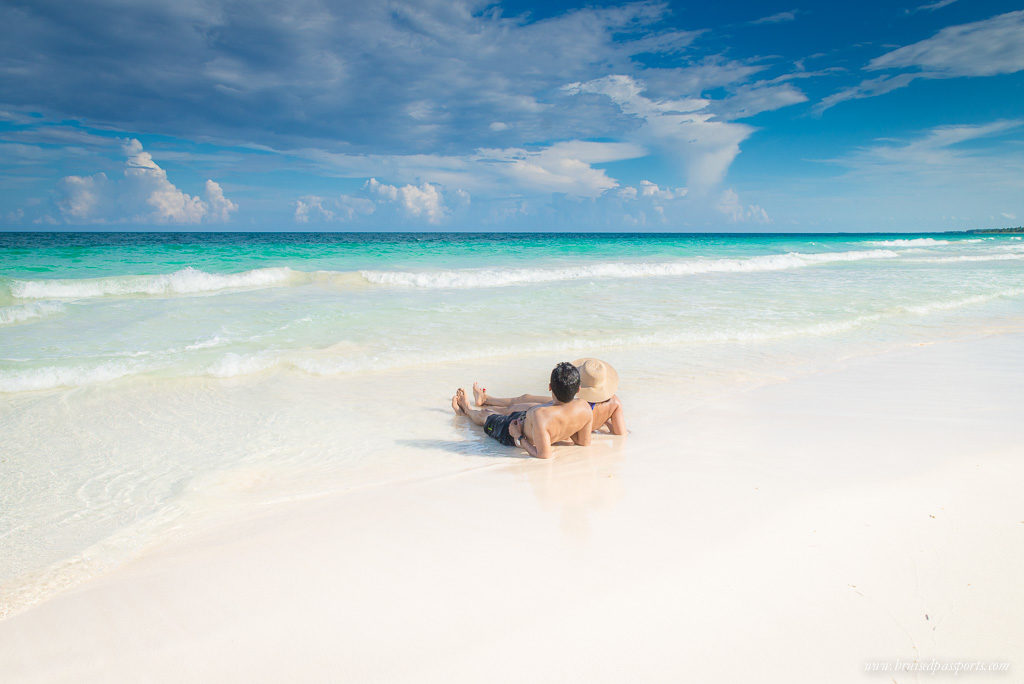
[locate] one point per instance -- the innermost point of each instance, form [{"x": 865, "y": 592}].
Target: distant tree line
[{"x": 1018, "y": 229}]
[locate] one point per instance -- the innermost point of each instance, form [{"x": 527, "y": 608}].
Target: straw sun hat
[{"x": 598, "y": 380}]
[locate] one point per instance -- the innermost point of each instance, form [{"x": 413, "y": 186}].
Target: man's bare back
[{"x": 546, "y": 425}]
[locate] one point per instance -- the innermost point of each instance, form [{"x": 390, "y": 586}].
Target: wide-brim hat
[{"x": 598, "y": 380}]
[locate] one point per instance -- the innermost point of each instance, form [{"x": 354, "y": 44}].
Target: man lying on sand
[
  {"x": 598, "y": 383},
  {"x": 539, "y": 426}
]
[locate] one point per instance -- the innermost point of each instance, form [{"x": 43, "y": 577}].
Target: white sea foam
[
  {"x": 969, "y": 257},
  {"x": 346, "y": 357},
  {"x": 949, "y": 304},
  {"x": 191, "y": 281},
  {"x": 232, "y": 364},
  {"x": 20, "y": 313},
  {"x": 328, "y": 363},
  {"x": 497, "y": 277},
  {"x": 50, "y": 377},
  {"x": 910, "y": 242},
  {"x": 215, "y": 341},
  {"x": 187, "y": 281}
]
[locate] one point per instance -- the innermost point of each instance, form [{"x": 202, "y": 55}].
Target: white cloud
[
  {"x": 755, "y": 98},
  {"x": 143, "y": 194},
  {"x": 780, "y": 17},
  {"x": 498, "y": 126},
  {"x": 1008, "y": 215},
  {"x": 171, "y": 204},
  {"x": 564, "y": 167},
  {"x": 982, "y": 48},
  {"x": 81, "y": 195},
  {"x": 330, "y": 209},
  {"x": 423, "y": 200},
  {"x": 649, "y": 189},
  {"x": 936, "y": 150},
  {"x": 219, "y": 207},
  {"x": 730, "y": 205},
  {"x": 932, "y": 6},
  {"x": 703, "y": 145}
]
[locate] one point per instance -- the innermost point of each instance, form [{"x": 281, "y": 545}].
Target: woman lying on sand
[{"x": 598, "y": 383}]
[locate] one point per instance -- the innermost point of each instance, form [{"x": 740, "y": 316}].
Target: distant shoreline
[{"x": 1019, "y": 230}]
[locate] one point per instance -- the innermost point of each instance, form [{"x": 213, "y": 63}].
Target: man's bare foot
[
  {"x": 455, "y": 404},
  {"x": 461, "y": 402},
  {"x": 479, "y": 394}
]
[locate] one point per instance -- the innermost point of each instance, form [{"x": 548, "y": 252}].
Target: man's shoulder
[
  {"x": 577, "y": 411},
  {"x": 576, "y": 406}
]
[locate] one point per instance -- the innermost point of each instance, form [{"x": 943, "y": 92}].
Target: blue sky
[{"x": 447, "y": 115}]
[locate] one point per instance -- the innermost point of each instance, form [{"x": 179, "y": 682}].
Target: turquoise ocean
[
  {"x": 77, "y": 309},
  {"x": 111, "y": 345}
]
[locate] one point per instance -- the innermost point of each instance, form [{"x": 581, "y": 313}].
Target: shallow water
[{"x": 144, "y": 377}]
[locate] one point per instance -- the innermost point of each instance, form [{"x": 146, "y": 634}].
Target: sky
[{"x": 464, "y": 115}]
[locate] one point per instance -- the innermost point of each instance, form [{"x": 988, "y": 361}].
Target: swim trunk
[{"x": 497, "y": 427}]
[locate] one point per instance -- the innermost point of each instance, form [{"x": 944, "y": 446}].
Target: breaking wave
[
  {"x": 192, "y": 281},
  {"x": 910, "y": 242},
  {"x": 972, "y": 257},
  {"x": 20, "y": 313},
  {"x": 343, "y": 358},
  {"x": 473, "y": 278},
  {"x": 923, "y": 309},
  {"x": 50, "y": 377},
  {"x": 187, "y": 281}
]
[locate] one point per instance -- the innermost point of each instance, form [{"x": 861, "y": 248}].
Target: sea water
[{"x": 138, "y": 370}]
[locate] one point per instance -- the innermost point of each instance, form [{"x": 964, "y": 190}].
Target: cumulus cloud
[
  {"x": 81, "y": 195},
  {"x": 565, "y": 167},
  {"x": 730, "y": 205},
  {"x": 316, "y": 209},
  {"x": 649, "y": 189},
  {"x": 982, "y": 48},
  {"x": 703, "y": 144},
  {"x": 142, "y": 194},
  {"x": 424, "y": 200}
]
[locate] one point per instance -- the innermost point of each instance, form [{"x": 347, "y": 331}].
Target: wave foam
[
  {"x": 19, "y": 313},
  {"x": 51, "y": 377},
  {"x": 923, "y": 309},
  {"x": 473, "y": 278},
  {"x": 971, "y": 257},
  {"x": 187, "y": 281},
  {"x": 908, "y": 242}
]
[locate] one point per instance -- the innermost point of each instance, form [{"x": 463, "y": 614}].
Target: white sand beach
[{"x": 791, "y": 529}]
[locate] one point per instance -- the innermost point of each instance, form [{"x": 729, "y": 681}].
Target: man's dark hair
[{"x": 565, "y": 381}]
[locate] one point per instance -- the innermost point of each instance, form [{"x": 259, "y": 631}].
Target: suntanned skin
[
  {"x": 607, "y": 414},
  {"x": 544, "y": 425}
]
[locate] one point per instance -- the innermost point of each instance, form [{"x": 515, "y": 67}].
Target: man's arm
[
  {"x": 538, "y": 445},
  {"x": 582, "y": 436}
]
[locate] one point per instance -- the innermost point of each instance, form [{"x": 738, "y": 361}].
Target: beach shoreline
[{"x": 877, "y": 496}]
